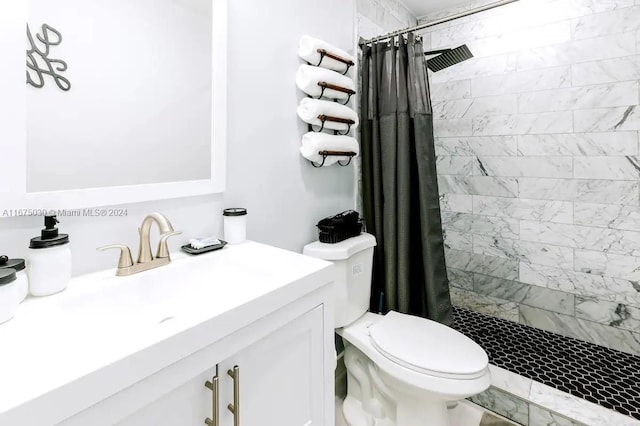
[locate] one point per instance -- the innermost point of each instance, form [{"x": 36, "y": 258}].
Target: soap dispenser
[{"x": 49, "y": 265}]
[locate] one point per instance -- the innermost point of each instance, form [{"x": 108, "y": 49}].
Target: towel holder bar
[
  {"x": 327, "y": 153},
  {"x": 326, "y": 86},
  {"x": 323, "y": 53},
  {"x": 324, "y": 118}
]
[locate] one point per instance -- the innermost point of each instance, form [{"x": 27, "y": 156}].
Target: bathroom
[{"x": 536, "y": 139}]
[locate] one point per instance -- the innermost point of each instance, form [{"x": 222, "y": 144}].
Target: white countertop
[{"x": 63, "y": 353}]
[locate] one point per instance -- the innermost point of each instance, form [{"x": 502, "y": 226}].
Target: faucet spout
[{"x": 144, "y": 253}]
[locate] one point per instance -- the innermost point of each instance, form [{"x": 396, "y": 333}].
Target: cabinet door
[
  {"x": 281, "y": 377},
  {"x": 187, "y": 405}
]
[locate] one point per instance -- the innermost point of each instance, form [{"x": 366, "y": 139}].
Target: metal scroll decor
[{"x": 39, "y": 64}]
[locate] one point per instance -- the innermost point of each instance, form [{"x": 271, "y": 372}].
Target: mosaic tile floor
[{"x": 600, "y": 375}]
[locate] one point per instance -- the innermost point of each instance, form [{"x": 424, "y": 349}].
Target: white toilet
[{"x": 402, "y": 370}]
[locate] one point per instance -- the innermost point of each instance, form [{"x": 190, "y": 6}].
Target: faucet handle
[
  {"x": 125, "y": 260},
  {"x": 163, "y": 247}
]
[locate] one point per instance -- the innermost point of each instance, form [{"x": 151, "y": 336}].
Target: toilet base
[
  {"x": 374, "y": 400},
  {"x": 424, "y": 414}
]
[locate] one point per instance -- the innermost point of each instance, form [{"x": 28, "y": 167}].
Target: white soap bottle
[
  {"x": 22, "y": 281},
  {"x": 49, "y": 266}
]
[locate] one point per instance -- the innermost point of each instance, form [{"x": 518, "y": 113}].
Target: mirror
[{"x": 125, "y": 101}]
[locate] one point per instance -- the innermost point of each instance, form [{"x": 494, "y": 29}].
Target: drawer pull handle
[
  {"x": 235, "y": 407},
  {"x": 214, "y": 387}
]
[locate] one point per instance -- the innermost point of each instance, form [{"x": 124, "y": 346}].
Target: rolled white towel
[
  {"x": 308, "y": 50},
  {"x": 309, "y": 110},
  {"x": 312, "y": 143},
  {"x": 308, "y": 77}
]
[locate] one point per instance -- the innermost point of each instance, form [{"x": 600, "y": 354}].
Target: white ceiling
[{"x": 425, "y": 7}]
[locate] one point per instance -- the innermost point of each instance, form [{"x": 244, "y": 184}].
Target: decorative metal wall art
[{"x": 39, "y": 64}]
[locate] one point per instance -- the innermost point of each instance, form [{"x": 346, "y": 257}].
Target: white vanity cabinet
[
  {"x": 137, "y": 351},
  {"x": 279, "y": 383}
]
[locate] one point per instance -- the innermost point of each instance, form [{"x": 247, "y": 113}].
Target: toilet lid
[{"x": 428, "y": 347}]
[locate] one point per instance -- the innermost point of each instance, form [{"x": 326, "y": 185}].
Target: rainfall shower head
[{"x": 448, "y": 57}]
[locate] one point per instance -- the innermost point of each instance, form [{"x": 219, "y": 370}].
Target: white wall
[{"x": 284, "y": 194}]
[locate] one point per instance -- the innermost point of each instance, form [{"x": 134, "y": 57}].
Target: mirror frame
[{"x": 13, "y": 129}]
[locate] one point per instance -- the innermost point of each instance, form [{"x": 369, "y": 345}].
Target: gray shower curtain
[{"x": 400, "y": 190}]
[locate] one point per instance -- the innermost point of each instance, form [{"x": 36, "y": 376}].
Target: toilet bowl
[{"x": 402, "y": 370}]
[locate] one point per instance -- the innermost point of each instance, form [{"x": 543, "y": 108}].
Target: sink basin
[{"x": 151, "y": 298}]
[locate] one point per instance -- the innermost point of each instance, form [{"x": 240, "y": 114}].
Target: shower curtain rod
[{"x": 440, "y": 21}]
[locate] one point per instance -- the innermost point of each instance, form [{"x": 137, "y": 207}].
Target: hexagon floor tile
[{"x": 600, "y": 375}]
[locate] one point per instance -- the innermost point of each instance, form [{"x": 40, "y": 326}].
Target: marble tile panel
[
  {"x": 542, "y": 417},
  {"x": 581, "y": 284},
  {"x": 608, "y": 264},
  {"x": 524, "y": 124},
  {"x": 607, "y": 168},
  {"x": 448, "y": 128},
  {"x": 527, "y": 38},
  {"x": 478, "y": 145},
  {"x": 510, "y": 382},
  {"x": 473, "y": 68},
  {"x": 579, "y": 144},
  {"x": 461, "y": 279},
  {"x": 481, "y": 264},
  {"x": 484, "y": 304},
  {"x": 458, "y": 240},
  {"x": 460, "y": 203},
  {"x": 547, "y": 167},
  {"x": 616, "y": 21},
  {"x": 596, "y": 96},
  {"x": 607, "y": 215},
  {"x": 606, "y": 71},
  {"x": 525, "y": 251},
  {"x": 476, "y": 224},
  {"x": 367, "y": 28},
  {"x": 454, "y": 165},
  {"x": 605, "y": 47},
  {"x": 451, "y": 90},
  {"x": 582, "y": 190},
  {"x": 469, "y": 108},
  {"x": 457, "y": 34},
  {"x": 611, "y": 337},
  {"x": 503, "y": 403},
  {"x": 521, "y": 208},
  {"x": 612, "y": 314},
  {"x": 451, "y": 109},
  {"x": 526, "y": 294},
  {"x": 577, "y": 408},
  {"x": 607, "y": 119},
  {"x": 519, "y": 82},
  {"x": 479, "y": 185},
  {"x": 582, "y": 237}
]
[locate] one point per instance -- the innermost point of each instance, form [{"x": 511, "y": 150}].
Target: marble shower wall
[
  {"x": 539, "y": 167},
  {"x": 377, "y": 17}
]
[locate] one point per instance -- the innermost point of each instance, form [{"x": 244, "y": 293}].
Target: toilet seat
[{"x": 419, "y": 345}]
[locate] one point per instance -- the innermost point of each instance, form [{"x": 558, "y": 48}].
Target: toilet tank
[{"x": 353, "y": 260}]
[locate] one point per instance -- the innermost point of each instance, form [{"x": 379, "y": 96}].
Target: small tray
[{"x": 188, "y": 249}]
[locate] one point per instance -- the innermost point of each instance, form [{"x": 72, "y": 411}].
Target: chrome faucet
[{"x": 146, "y": 260}]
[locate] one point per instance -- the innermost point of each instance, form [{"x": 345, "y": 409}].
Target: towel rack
[
  {"x": 323, "y": 52},
  {"x": 326, "y": 154},
  {"x": 324, "y": 118},
  {"x": 326, "y": 86}
]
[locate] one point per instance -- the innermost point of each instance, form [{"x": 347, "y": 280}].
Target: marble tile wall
[
  {"x": 537, "y": 144},
  {"x": 530, "y": 403},
  {"x": 377, "y": 17}
]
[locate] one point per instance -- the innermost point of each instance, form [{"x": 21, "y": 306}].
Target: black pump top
[
  {"x": 235, "y": 211},
  {"x": 6, "y": 263},
  {"x": 49, "y": 237},
  {"x": 7, "y": 276}
]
